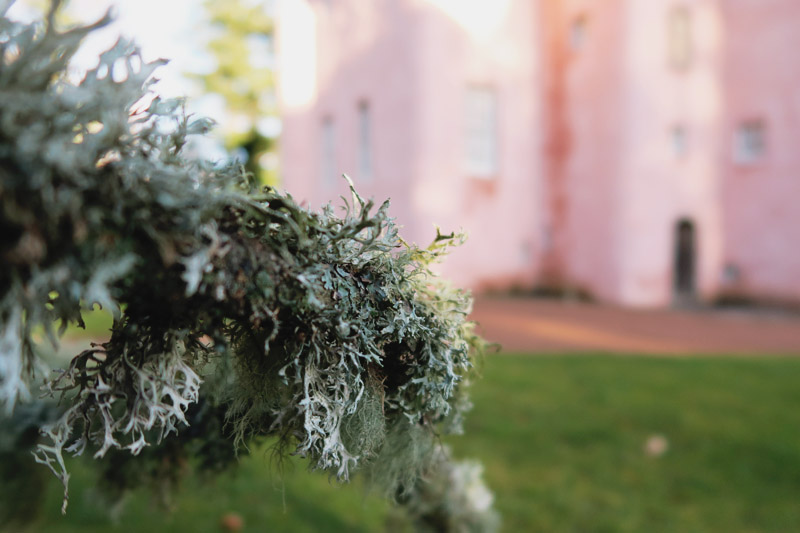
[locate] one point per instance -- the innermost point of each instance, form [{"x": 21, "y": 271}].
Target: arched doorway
[{"x": 685, "y": 261}]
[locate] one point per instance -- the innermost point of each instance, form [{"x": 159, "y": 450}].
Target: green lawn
[{"x": 563, "y": 440}]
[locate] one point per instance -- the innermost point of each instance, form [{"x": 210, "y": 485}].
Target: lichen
[{"x": 326, "y": 331}]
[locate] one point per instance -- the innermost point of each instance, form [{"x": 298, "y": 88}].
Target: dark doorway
[{"x": 685, "y": 261}]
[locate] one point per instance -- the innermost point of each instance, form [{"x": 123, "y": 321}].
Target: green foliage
[
  {"x": 238, "y": 23},
  {"x": 326, "y": 331}
]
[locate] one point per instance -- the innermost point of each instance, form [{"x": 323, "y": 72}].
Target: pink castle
[{"x": 646, "y": 152}]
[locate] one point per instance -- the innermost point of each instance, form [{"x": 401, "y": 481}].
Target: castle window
[
  {"x": 480, "y": 155},
  {"x": 328, "y": 159},
  {"x": 577, "y": 32},
  {"x": 680, "y": 143},
  {"x": 750, "y": 142},
  {"x": 679, "y": 38},
  {"x": 364, "y": 141}
]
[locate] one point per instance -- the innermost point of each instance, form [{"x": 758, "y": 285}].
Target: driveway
[{"x": 551, "y": 326}]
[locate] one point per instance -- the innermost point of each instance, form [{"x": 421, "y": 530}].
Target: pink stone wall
[
  {"x": 761, "y": 210},
  {"x": 412, "y": 61},
  {"x": 585, "y": 128},
  {"x": 624, "y": 187},
  {"x": 353, "y": 62},
  {"x": 591, "y": 183},
  {"x": 659, "y": 187},
  {"x": 500, "y": 214}
]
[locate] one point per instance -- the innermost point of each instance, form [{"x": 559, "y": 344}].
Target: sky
[{"x": 169, "y": 29}]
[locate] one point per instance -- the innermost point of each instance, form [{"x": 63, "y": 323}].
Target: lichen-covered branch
[{"x": 326, "y": 331}]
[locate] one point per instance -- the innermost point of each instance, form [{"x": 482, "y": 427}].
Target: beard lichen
[{"x": 325, "y": 331}]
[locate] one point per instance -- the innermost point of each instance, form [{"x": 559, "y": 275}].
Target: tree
[
  {"x": 244, "y": 76},
  {"x": 238, "y": 314}
]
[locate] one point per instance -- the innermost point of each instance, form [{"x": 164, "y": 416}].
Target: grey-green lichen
[{"x": 326, "y": 331}]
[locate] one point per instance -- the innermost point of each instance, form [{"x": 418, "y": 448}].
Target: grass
[
  {"x": 562, "y": 439},
  {"x": 295, "y": 500},
  {"x": 564, "y": 446}
]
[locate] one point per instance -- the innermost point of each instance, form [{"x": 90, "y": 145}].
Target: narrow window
[
  {"x": 749, "y": 143},
  {"x": 679, "y": 141},
  {"x": 364, "y": 142},
  {"x": 328, "y": 159},
  {"x": 577, "y": 32},
  {"x": 480, "y": 131},
  {"x": 679, "y": 38}
]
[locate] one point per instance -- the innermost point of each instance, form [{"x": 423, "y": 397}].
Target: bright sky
[{"x": 170, "y": 29}]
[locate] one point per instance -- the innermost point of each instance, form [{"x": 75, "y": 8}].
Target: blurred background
[{"x": 628, "y": 173}]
